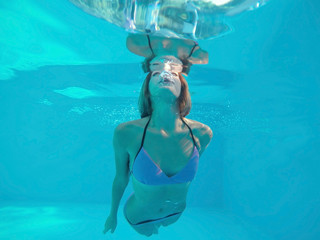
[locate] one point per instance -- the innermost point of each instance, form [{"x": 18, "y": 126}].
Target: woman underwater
[{"x": 161, "y": 150}]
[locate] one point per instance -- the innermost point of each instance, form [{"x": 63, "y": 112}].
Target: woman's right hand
[{"x": 111, "y": 224}]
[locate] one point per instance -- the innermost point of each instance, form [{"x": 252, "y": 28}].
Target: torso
[
  {"x": 171, "y": 153},
  {"x": 179, "y": 48}
]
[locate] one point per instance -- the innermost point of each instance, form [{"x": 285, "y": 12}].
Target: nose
[
  {"x": 167, "y": 67},
  {"x": 165, "y": 74}
]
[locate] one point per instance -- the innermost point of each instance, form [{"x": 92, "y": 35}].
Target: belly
[{"x": 152, "y": 202}]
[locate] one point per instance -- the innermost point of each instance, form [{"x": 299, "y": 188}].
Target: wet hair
[
  {"x": 145, "y": 105},
  {"x": 186, "y": 65}
]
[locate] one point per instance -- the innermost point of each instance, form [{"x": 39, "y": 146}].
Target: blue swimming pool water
[{"x": 67, "y": 80}]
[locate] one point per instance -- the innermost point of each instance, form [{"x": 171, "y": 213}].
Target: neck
[{"x": 166, "y": 117}]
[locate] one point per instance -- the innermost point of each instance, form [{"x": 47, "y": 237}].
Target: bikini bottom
[{"x": 151, "y": 221}]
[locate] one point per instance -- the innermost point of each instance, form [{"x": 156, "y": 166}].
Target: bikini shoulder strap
[
  {"x": 149, "y": 41},
  {"x": 195, "y": 44},
  {"x": 144, "y": 133},
  {"x": 194, "y": 142}
]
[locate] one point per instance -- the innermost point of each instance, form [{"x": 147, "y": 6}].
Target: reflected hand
[{"x": 111, "y": 224}]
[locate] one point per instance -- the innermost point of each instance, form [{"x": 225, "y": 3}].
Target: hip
[{"x": 140, "y": 212}]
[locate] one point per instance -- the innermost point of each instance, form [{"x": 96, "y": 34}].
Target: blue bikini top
[{"x": 146, "y": 171}]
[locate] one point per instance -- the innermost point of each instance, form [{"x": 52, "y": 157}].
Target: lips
[{"x": 165, "y": 80}]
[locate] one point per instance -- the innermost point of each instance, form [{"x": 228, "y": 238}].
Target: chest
[
  {"x": 177, "y": 47},
  {"x": 169, "y": 153}
]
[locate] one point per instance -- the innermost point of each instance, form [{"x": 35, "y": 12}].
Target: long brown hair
[{"x": 184, "y": 100}]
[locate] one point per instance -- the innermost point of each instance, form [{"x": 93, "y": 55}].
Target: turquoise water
[{"x": 67, "y": 80}]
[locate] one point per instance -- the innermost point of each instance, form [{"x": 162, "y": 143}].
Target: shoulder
[
  {"x": 125, "y": 132},
  {"x": 138, "y": 44},
  {"x": 201, "y": 131},
  {"x": 199, "y": 56},
  {"x": 199, "y": 128},
  {"x": 131, "y": 125},
  {"x": 137, "y": 39}
]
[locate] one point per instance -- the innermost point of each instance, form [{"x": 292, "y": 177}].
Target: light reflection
[
  {"x": 77, "y": 92},
  {"x": 220, "y": 2},
  {"x": 16, "y": 219}
]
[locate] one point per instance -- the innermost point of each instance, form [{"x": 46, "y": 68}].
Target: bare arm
[
  {"x": 205, "y": 136},
  {"x": 121, "y": 179}
]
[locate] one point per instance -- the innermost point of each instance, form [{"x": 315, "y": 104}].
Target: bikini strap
[
  {"x": 144, "y": 133},
  {"x": 145, "y": 129},
  {"x": 194, "y": 142},
  {"x": 150, "y": 44},
  {"x": 195, "y": 44},
  {"x": 192, "y": 50}
]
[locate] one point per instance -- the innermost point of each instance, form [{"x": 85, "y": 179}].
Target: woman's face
[{"x": 165, "y": 76}]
